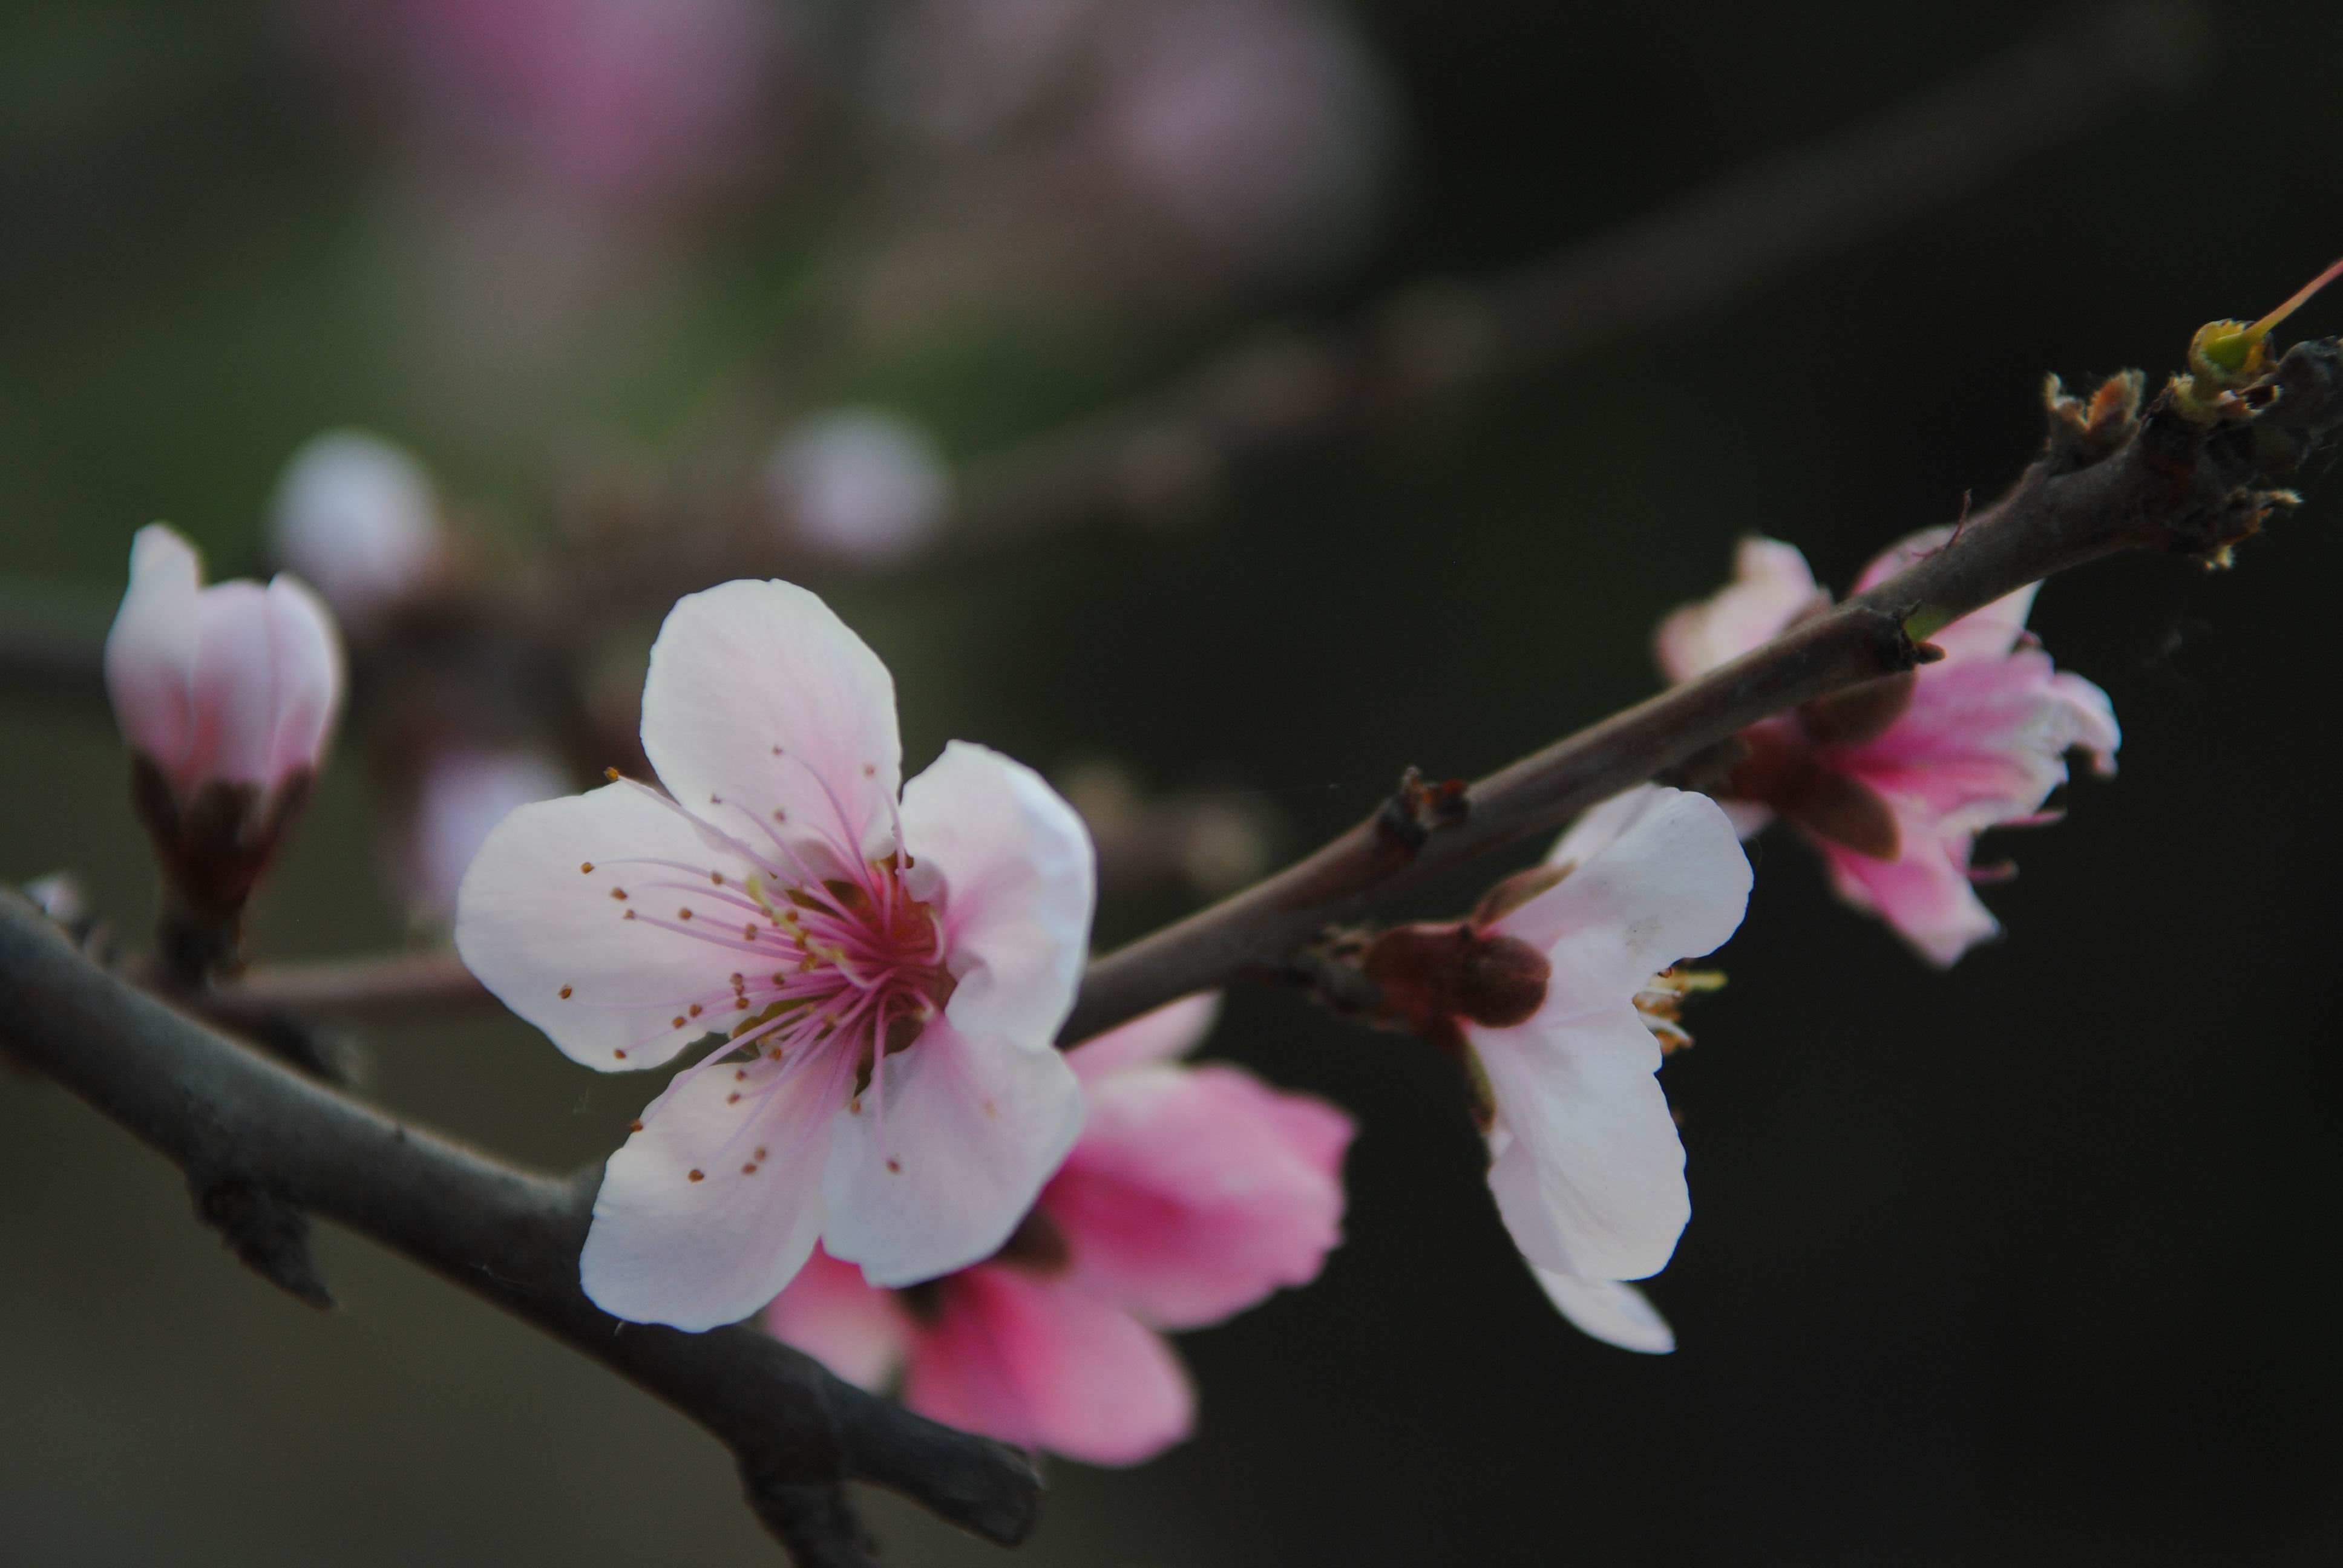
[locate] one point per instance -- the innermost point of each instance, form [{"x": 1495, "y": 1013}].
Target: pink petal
[
  {"x": 940, "y": 1158},
  {"x": 760, "y": 700},
  {"x": 1984, "y": 742},
  {"x": 150, "y": 654},
  {"x": 709, "y": 1210},
  {"x": 235, "y": 687},
  {"x": 1173, "y": 1029},
  {"x": 1657, "y": 875},
  {"x": 1611, "y": 1311},
  {"x": 1772, "y": 587},
  {"x": 1588, "y": 1170},
  {"x": 1009, "y": 868},
  {"x": 1924, "y": 892},
  {"x": 1042, "y": 1364},
  {"x": 305, "y": 656},
  {"x": 533, "y": 924},
  {"x": 859, "y": 1333},
  {"x": 2086, "y": 721},
  {"x": 1195, "y": 1192}
]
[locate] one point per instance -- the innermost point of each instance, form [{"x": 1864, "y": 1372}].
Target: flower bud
[
  {"x": 459, "y": 798},
  {"x": 356, "y": 516},
  {"x": 228, "y": 695}
]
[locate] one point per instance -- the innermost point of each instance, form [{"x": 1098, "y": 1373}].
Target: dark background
[{"x": 2035, "y": 1261}]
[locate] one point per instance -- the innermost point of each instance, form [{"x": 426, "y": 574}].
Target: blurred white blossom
[
  {"x": 460, "y": 798},
  {"x": 859, "y": 484},
  {"x": 356, "y": 518}
]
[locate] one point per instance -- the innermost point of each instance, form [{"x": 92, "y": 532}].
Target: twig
[
  {"x": 238, "y": 1122},
  {"x": 397, "y": 985},
  {"x": 2106, "y": 482}
]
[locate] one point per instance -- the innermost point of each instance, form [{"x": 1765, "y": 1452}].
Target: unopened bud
[{"x": 228, "y": 695}]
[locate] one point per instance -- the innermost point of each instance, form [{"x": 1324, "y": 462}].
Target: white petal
[
  {"x": 972, "y": 1129},
  {"x": 1772, "y": 587},
  {"x": 759, "y": 697},
  {"x": 150, "y": 654},
  {"x": 1656, "y": 875},
  {"x": 665, "y": 1249},
  {"x": 235, "y": 685},
  {"x": 1172, "y": 1030},
  {"x": 531, "y": 924},
  {"x": 1588, "y": 1170},
  {"x": 305, "y": 652},
  {"x": 1616, "y": 1313},
  {"x": 1010, "y": 867}
]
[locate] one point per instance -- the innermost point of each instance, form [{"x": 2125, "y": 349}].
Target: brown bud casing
[
  {"x": 1431, "y": 976},
  {"x": 1781, "y": 771}
]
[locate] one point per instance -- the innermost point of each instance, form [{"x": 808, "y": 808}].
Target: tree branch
[
  {"x": 238, "y": 1123},
  {"x": 2108, "y": 481}
]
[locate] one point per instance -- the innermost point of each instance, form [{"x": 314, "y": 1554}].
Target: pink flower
[
  {"x": 886, "y": 978},
  {"x": 1192, "y": 1194},
  {"x": 228, "y": 695},
  {"x": 1893, "y": 781},
  {"x": 1543, "y": 994},
  {"x": 860, "y": 484}
]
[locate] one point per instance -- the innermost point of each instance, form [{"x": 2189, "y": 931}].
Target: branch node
[
  {"x": 1419, "y": 809},
  {"x": 267, "y": 1233}
]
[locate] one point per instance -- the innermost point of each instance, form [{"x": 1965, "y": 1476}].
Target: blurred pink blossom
[
  {"x": 1193, "y": 1193},
  {"x": 1893, "y": 781},
  {"x": 632, "y": 104},
  {"x": 1182, "y": 145}
]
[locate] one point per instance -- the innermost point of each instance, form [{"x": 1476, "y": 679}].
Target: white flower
[
  {"x": 888, "y": 978},
  {"x": 1585, "y": 1164},
  {"x": 358, "y": 517},
  {"x": 461, "y": 797}
]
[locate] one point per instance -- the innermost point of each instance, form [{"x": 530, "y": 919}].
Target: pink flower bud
[{"x": 228, "y": 695}]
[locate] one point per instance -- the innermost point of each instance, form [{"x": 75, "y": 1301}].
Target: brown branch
[
  {"x": 2106, "y": 483},
  {"x": 262, "y": 1146},
  {"x": 395, "y": 985}
]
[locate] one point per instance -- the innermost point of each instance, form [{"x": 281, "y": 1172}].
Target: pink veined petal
[
  {"x": 971, "y": 1128},
  {"x": 532, "y": 923},
  {"x": 307, "y": 654},
  {"x": 1587, "y": 1168},
  {"x": 1608, "y": 1310},
  {"x": 235, "y": 686},
  {"x": 711, "y": 1208},
  {"x": 1043, "y": 1364},
  {"x": 830, "y": 1313},
  {"x": 1772, "y": 587},
  {"x": 1747, "y": 816},
  {"x": 1195, "y": 1192},
  {"x": 1172, "y": 1030},
  {"x": 1009, "y": 868},
  {"x": 1983, "y": 742},
  {"x": 1982, "y": 634},
  {"x": 1924, "y": 893},
  {"x": 150, "y": 653},
  {"x": 759, "y": 697},
  {"x": 1661, "y": 878}
]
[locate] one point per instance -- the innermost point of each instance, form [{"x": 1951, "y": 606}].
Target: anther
[
  {"x": 611, "y": 774},
  {"x": 564, "y": 993},
  {"x": 699, "y": 1175},
  {"x": 894, "y": 1165},
  {"x": 695, "y": 1009},
  {"x": 683, "y": 914},
  {"x": 619, "y": 894},
  {"x": 619, "y": 1054},
  {"x": 634, "y": 1126},
  {"x": 586, "y": 868}
]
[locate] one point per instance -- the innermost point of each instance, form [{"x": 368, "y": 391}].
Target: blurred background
[{"x": 1185, "y": 396}]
